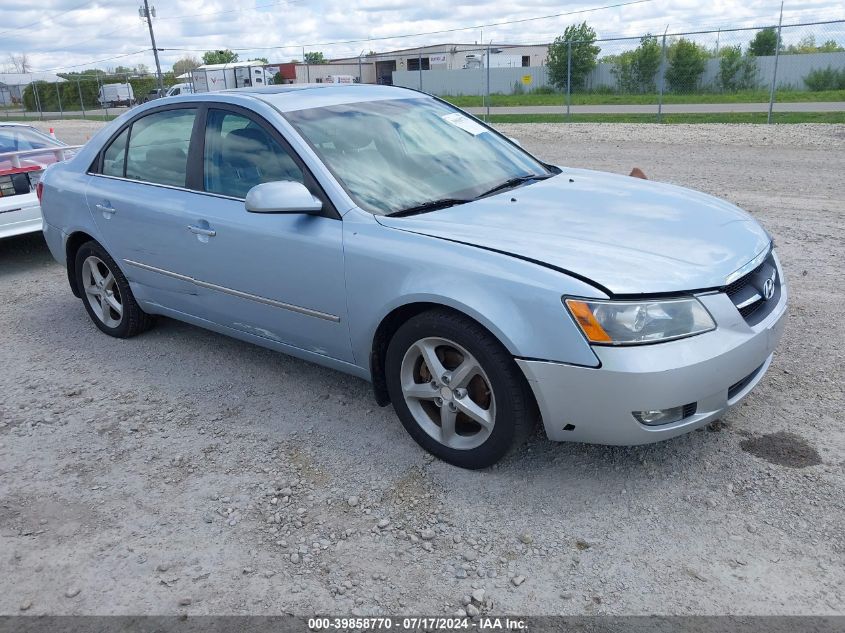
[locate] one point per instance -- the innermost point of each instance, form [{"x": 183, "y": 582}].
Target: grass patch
[
  {"x": 735, "y": 117},
  {"x": 748, "y": 96}
]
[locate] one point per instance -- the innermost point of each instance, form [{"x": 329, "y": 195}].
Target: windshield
[
  {"x": 15, "y": 138},
  {"x": 395, "y": 155}
]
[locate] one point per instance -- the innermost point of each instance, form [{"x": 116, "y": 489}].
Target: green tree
[
  {"x": 831, "y": 46},
  {"x": 765, "y": 42},
  {"x": 736, "y": 71},
  {"x": 687, "y": 61},
  {"x": 185, "y": 65},
  {"x": 315, "y": 57},
  {"x": 584, "y": 55},
  {"x": 807, "y": 44},
  {"x": 635, "y": 70},
  {"x": 219, "y": 57}
]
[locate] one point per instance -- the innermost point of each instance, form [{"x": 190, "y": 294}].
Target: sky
[{"x": 71, "y": 35}]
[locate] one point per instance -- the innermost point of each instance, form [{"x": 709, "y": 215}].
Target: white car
[{"x": 24, "y": 154}]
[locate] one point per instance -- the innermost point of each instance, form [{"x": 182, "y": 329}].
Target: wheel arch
[
  {"x": 393, "y": 320},
  {"x": 72, "y": 245}
]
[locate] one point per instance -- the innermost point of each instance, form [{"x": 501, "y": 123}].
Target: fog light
[{"x": 657, "y": 417}]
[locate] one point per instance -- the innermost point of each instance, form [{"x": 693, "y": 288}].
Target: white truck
[
  {"x": 112, "y": 95},
  {"x": 339, "y": 79},
  {"x": 214, "y": 77},
  {"x": 179, "y": 89},
  {"x": 497, "y": 60}
]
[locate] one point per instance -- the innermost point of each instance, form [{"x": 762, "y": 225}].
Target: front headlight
[{"x": 639, "y": 322}]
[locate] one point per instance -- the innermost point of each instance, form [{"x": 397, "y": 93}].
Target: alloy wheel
[
  {"x": 101, "y": 291},
  {"x": 448, "y": 393}
]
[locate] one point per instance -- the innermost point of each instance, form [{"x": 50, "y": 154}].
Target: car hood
[{"x": 628, "y": 235}]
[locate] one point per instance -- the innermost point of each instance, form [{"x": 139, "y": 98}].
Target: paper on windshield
[{"x": 465, "y": 123}]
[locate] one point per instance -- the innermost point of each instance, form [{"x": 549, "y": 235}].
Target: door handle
[
  {"x": 198, "y": 230},
  {"x": 105, "y": 209}
]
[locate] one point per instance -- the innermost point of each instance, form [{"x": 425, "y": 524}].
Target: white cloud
[{"x": 102, "y": 29}]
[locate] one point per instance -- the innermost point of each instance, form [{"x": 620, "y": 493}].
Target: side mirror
[{"x": 284, "y": 196}]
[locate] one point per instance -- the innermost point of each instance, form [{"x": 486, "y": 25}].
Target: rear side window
[
  {"x": 240, "y": 154},
  {"x": 158, "y": 147},
  {"x": 114, "y": 158}
]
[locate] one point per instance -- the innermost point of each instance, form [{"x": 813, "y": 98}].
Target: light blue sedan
[{"x": 382, "y": 232}]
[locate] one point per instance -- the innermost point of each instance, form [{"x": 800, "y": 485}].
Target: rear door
[
  {"x": 139, "y": 197},
  {"x": 277, "y": 276}
]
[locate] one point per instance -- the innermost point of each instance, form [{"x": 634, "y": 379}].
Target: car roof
[{"x": 291, "y": 97}]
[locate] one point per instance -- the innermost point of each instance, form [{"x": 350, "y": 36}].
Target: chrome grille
[{"x": 748, "y": 292}]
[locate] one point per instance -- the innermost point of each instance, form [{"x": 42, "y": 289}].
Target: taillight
[{"x": 39, "y": 191}]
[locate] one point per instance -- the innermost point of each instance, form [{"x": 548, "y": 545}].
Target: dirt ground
[{"x": 185, "y": 472}]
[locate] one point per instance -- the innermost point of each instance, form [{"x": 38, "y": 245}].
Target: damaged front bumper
[{"x": 705, "y": 374}]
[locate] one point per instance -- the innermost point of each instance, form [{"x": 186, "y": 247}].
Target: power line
[
  {"x": 47, "y": 19},
  {"x": 96, "y": 61},
  {"x": 195, "y": 15},
  {"x": 440, "y": 32}
]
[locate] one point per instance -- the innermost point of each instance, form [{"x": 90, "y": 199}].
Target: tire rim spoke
[
  {"x": 112, "y": 301},
  {"x": 474, "y": 412},
  {"x": 419, "y": 391},
  {"x": 448, "y": 417},
  {"x": 96, "y": 275},
  {"x": 428, "y": 351},
  {"x": 464, "y": 372}
]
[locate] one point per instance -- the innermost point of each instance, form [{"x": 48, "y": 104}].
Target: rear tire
[
  {"x": 106, "y": 294},
  {"x": 473, "y": 406}
]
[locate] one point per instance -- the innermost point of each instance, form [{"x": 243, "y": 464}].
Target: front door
[{"x": 277, "y": 276}]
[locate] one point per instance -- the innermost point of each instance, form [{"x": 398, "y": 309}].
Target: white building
[
  {"x": 379, "y": 67},
  {"x": 12, "y": 85}
]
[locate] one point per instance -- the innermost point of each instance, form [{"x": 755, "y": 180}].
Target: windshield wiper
[
  {"x": 513, "y": 182},
  {"x": 431, "y": 205}
]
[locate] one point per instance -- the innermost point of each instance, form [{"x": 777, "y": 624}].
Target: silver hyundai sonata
[{"x": 382, "y": 232}]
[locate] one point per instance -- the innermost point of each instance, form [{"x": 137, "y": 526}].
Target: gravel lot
[{"x": 185, "y": 472}]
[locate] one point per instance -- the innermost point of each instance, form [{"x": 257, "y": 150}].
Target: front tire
[
  {"x": 106, "y": 294},
  {"x": 457, "y": 390}
]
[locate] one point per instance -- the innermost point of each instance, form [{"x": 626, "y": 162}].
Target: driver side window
[{"x": 240, "y": 154}]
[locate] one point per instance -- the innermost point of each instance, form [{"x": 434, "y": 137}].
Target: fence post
[
  {"x": 419, "y": 67},
  {"x": 568, "y": 79},
  {"x": 775, "y": 71},
  {"x": 37, "y": 100},
  {"x": 104, "y": 104},
  {"x": 59, "y": 99},
  {"x": 487, "y": 118},
  {"x": 662, "y": 78},
  {"x": 81, "y": 99}
]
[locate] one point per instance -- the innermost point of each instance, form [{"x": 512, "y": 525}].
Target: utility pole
[
  {"x": 775, "y": 72},
  {"x": 148, "y": 15}
]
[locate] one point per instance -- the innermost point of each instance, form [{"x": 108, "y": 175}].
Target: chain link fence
[
  {"x": 744, "y": 70},
  {"x": 795, "y": 67},
  {"x": 85, "y": 95}
]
